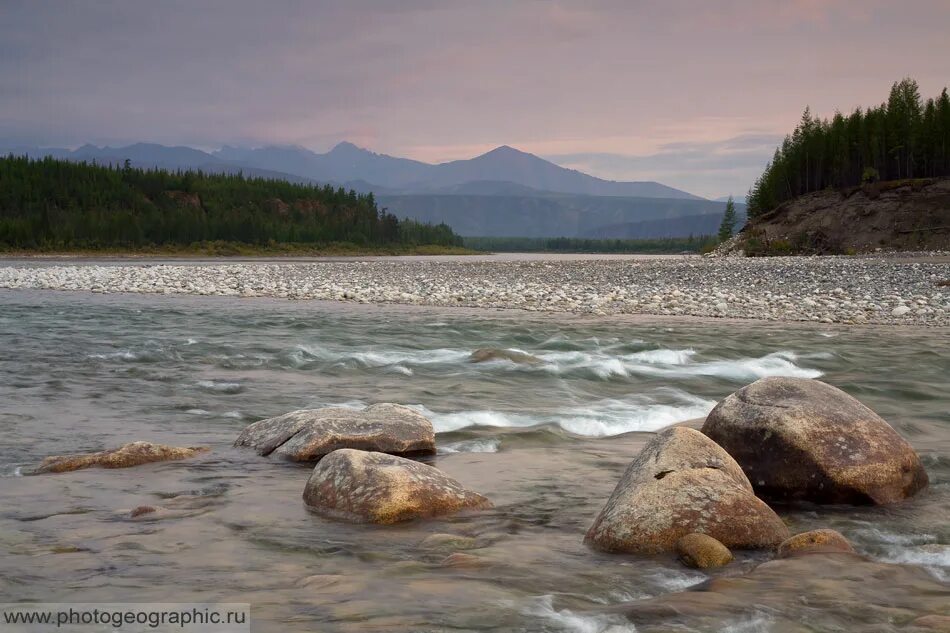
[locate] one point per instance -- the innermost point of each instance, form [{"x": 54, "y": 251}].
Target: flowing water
[{"x": 546, "y": 442}]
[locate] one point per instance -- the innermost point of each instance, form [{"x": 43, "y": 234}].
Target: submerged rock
[
  {"x": 702, "y": 551},
  {"x": 797, "y": 438},
  {"x": 309, "y": 434},
  {"x": 142, "y": 511},
  {"x": 127, "y": 455},
  {"x": 852, "y": 593},
  {"x": 373, "y": 487},
  {"x": 460, "y": 559},
  {"x": 680, "y": 483},
  {"x": 486, "y": 354},
  {"x": 815, "y": 541},
  {"x": 939, "y": 623},
  {"x": 451, "y": 542}
]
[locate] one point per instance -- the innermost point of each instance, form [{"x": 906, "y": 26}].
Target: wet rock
[
  {"x": 374, "y": 487},
  {"x": 460, "y": 559},
  {"x": 797, "y": 438},
  {"x": 68, "y": 549},
  {"x": 309, "y": 434},
  {"x": 490, "y": 353},
  {"x": 701, "y": 551},
  {"x": 448, "y": 542},
  {"x": 320, "y": 581},
  {"x": 141, "y": 511},
  {"x": 853, "y": 593},
  {"x": 815, "y": 541},
  {"x": 131, "y": 454},
  {"x": 680, "y": 483},
  {"x": 939, "y": 623}
]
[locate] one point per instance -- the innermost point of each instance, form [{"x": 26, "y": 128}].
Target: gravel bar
[{"x": 821, "y": 289}]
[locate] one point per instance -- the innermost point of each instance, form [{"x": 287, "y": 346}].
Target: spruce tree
[{"x": 728, "y": 224}]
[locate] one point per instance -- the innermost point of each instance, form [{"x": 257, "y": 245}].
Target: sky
[{"x": 691, "y": 93}]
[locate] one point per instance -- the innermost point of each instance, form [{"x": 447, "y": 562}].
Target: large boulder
[
  {"x": 370, "y": 487},
  {"x": 309, "y": 434},
  {"x": 801, "y": 439},
  {"x": 127, "y": 455},
  {"x": 682, "y": 482}
]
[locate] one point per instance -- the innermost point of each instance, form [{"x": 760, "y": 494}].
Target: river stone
[
  {"x": 682, "y": 482},
  {"x": 490, "y": 353},
  {"x": 141, "y": 511},
  {"x": 371, "y": 487},
  {"x": 461, "y": 559},
  {"x": 797, "y": 438},
  {"x": 940, "y": 623},
  {"x": 815, "y": 541},
  {"x": 451, "y": 542},
  {"x": 702, "y": 551},
  {"x": 127, "y": 455},
  {"x": 309, "y": 434}
]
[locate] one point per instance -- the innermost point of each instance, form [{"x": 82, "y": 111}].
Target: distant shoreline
[{"x": 232, "y": 250}]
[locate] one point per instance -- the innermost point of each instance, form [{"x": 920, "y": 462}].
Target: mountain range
[{"x": 504, "y": 192}]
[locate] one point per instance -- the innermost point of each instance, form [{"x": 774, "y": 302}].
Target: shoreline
[
  {"x": 826, "y": 291},
  {"x": 573, "y": 318}
]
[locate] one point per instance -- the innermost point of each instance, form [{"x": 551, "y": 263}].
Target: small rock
[
  {"x": 320, "y": 581},
  {"x": 815, "y": 541},
  {"x": 459, "y": 559},
  {"x": 142, "y": 510},
  {"x": 702, "y": 552},
  {"x": 490, "y": 353},
  {"x": 900, "y": 311},
  {"x": 940, "y": 623},
  {"x": 67, "y": 549},
  {"x": 448, "y": 542},
  {"x": 127, "y": 455}
]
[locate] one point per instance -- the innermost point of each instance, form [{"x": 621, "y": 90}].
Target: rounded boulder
[
  {"x": 702, "y": 551},
  {"x": 680, "y": 483},
  {"x": 371, "y": 487},
  {"x": 802, "y": 439}
]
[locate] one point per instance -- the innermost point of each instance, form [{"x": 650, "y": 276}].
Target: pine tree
[
  {"x": 902, "y": 138},
  {"x": 728, "y": 224}
]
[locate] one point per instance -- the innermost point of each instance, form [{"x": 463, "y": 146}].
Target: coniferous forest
[
  {"x": 54, "y": 204},
  {"x": 903, "y": 138}
]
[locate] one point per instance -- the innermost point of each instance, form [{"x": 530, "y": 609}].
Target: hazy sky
[{"x": 693, "y": 93}]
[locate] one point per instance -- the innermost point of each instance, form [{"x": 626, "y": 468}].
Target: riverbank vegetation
[
  {"x": 688, "y": 244},
  {"x": 904, "y": 138},
  {"x": 57, "y": 205}
]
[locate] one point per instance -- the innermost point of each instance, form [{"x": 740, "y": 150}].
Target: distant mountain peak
[
  {"x": 345, "y": 147},
  {"x": 506, "y": 150}
]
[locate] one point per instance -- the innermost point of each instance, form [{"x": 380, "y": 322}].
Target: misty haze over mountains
[{"x": 504, "y": 192}]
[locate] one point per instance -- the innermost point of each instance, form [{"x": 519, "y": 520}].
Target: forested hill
[
  {"x": 904, "y": 138},
  {"x": 57, "y": 204}
]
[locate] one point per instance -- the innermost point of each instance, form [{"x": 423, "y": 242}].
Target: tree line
[
  {"x": 900, "y": 139},
  {"x": 58, "y": 204},
  {"x": 583, "y": 245}
]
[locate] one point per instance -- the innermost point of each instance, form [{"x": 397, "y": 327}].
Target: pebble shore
[{"x": 819, "y": 289}]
